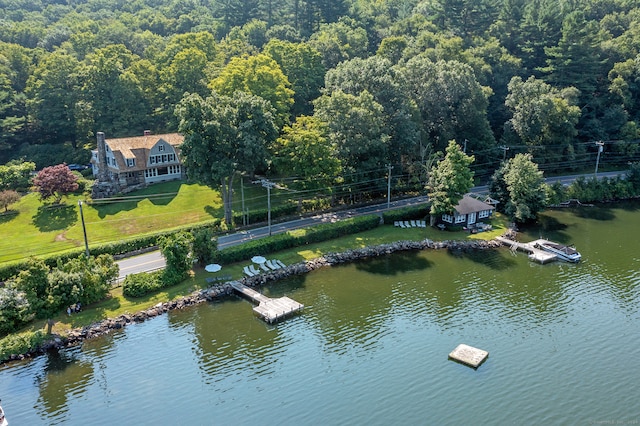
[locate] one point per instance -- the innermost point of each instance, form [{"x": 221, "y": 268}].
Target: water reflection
[{"x": 64, "y": 377}]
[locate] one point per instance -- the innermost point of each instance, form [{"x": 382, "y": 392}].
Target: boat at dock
[
  {"x": 567, "y": 253},
  {"x": 3, "y": 419}
]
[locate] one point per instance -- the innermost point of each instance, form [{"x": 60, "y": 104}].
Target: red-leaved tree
[{"x": 55, "y": 181}]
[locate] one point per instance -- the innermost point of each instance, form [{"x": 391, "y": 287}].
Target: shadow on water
[
  {"x": 600, "y": 213},
  {"x": 498, "y": 259},
  {"x": 402, "y": 262},
  {"x": 55, "y": 217},
  {"x": 549, "y": 228},
  {"x": 63, "y": 371},
  {"x": 286, "y": 286}
]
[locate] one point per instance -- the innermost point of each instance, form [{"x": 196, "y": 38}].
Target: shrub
[
  {"x": 22, "y": 343},
  {"x": 138, "y": 285},
  {"x": 407, "y": 213}
]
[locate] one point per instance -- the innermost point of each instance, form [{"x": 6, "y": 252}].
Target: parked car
[{"x": 77, "y": 167}]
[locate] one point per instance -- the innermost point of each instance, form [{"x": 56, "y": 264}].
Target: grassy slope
[{"x": 38, "y": 230}]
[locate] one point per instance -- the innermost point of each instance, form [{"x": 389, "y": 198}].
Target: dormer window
[{"x": 131, "y": 162}]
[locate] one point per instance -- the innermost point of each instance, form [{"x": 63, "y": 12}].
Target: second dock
[
  {"x": 271, "y": 310},
  {"x": 535, "y": 254}
]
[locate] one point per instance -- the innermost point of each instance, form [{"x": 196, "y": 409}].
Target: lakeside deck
[
  {"x": 535, "y": 254},
  {"x": 271, "y": 310}
]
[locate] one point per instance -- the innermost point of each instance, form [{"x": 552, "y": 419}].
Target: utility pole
[
  {"x": 268, "y": 184},
  {"x": 600, "y": 145},
  {"x": 244, "y": 215},
  {"x": 84, "y": 230},
  {"x": 390, "y": 167},
  {"x": 504, "y": 155}
]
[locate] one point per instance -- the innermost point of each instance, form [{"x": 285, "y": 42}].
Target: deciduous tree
[
  {"x": 8, "y": 197},
  {"x": 449, "y": 180},
  {"x": 526, "y": 188},
  {"x": 225, "y": 135},
  {"x": 55, "y": 181}
]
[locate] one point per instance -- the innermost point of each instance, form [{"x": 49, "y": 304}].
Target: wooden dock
[
  {"x": 271, "y": 310},
  {"x": 535, "y": 254}
]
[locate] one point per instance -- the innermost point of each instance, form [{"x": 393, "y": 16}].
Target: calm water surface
[{"x": 371, "y": 346}]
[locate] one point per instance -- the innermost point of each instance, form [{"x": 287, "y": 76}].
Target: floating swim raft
[{"x": 468, "y": 355}]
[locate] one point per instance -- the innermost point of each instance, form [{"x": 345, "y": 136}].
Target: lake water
[{"x": 371, "y": 346}]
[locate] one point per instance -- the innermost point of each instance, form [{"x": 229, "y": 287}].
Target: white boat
[
  {"x": 567, "y": 253},
  {"x": 3, "y": 419}
]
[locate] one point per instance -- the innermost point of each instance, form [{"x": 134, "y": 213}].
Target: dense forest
[{"x": 353, "y": 87}]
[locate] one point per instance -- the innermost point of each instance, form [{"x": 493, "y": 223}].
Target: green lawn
[{"x": 35, "y": 229}]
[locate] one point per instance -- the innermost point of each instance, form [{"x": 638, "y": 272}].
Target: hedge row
[
  {"x": 408, "y": 213},
  {"x": 261, "y": 215},
  {"x": 287, "y": 240}
]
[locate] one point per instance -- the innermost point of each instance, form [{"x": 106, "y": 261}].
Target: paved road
[{"x": 153, "y": 260}]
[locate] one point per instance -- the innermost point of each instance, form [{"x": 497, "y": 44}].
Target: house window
[
  {"x": 131, "y": 162},
  {"x": 161, "y": 148},
  {"x": 461, "y": 218},
  {"x": 483, "y": 213},
  {"x": 164, "y": 158},
  {"x": 447, "y": 218},
  {"x": 172, "y": 157},
  {"x": 152, "y": 159}
]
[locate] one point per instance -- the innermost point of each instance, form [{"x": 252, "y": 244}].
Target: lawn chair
[
  {"x": 407, "y": 224},
  {"x": 423, "y": 224},
  {"x": 264, "y": 267},
  {"x": 396, "y": 223},
  {"x": 282, "y": 265},
  {"x": 271, "y": 265},
  {"x": 413, "y": 224},
  {"x": 247, "y": 271},
  {"x": 254, "y": 270},
  {"x": 402, "y": 224}
]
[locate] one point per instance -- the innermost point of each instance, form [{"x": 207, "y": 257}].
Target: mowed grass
[
  {"x": 117, "y": 304},
  {"x": 34, "y": 228}
]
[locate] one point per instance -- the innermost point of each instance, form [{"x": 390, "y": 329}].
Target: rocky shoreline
[{"x": 220, "y": 291}]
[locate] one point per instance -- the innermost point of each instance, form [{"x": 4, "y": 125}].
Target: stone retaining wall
[{"x": 220, "y": 291}]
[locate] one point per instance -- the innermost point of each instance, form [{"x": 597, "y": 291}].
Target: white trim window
[
  {"x": 131, "y": 162},
  {"x": 484, "y": 213},
  {"x": 447, "y": 218},
  {"x": 161, "y": 148},
  {"x": 461, "y": 218}
]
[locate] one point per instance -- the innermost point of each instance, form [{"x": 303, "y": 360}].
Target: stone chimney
[{"x": 103, "y": 174}]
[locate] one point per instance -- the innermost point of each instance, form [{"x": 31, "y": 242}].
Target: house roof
[
  {"x": 138, "y": 147},
  {"x": 126, "y": 145},
  {"x": 470, "y": 205}
]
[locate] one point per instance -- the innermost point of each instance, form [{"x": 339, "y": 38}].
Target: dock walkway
[
  {"x": 534, "y": 253},
  {"x": 271, "y": 310}
]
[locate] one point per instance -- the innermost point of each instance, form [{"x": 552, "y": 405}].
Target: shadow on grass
[
  {"x": 113, "y": 207},
  {"x": 214, "y": 213},
  {"x": 401, "y": 262},
  {"x": 55, "y": 217},
  {"x": 8, "y": 216}
]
